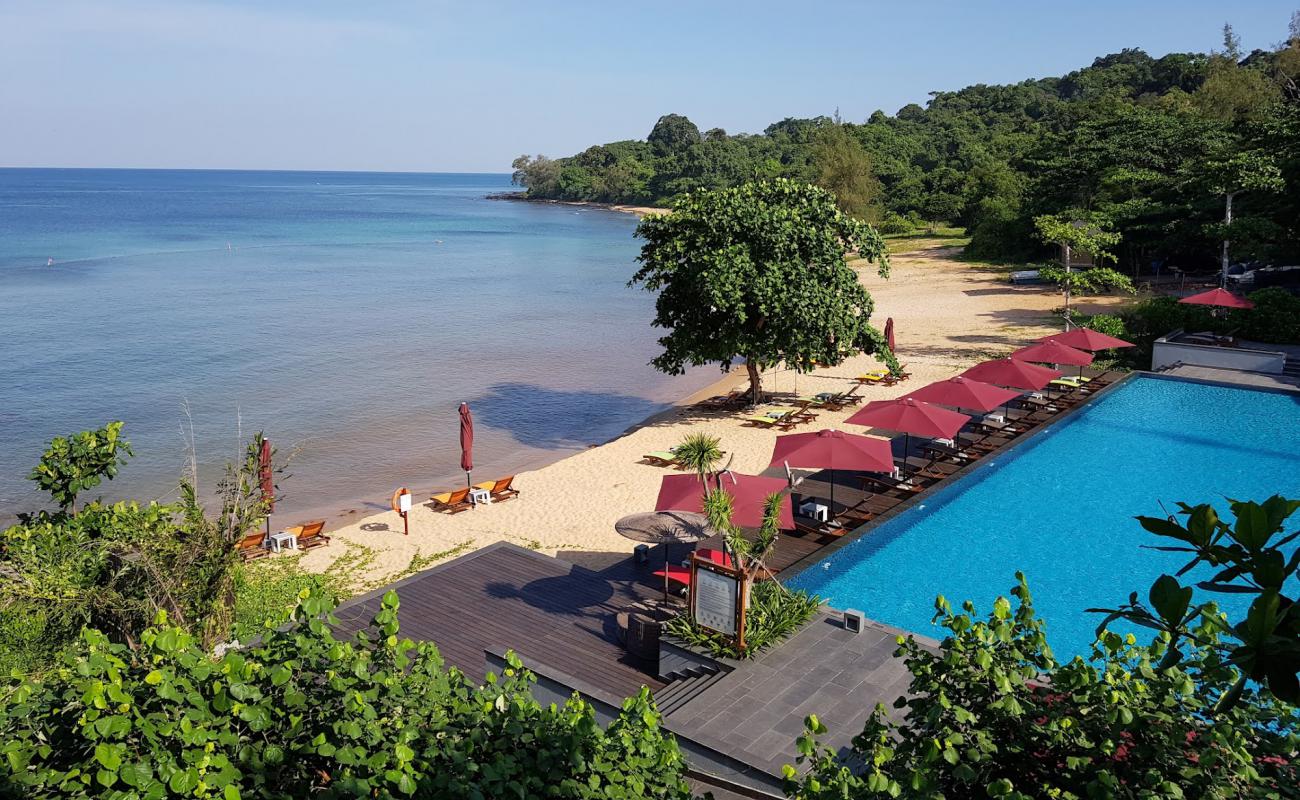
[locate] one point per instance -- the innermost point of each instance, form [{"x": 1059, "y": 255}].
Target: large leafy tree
[{"x": 759, "y": 273}]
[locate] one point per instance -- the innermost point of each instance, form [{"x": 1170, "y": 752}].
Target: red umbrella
[
  {"x": 1012, "y": 372},
  {"x": 1086, "y": 339},
  {"x": 1218, "y": 297},
  {"x": 266, "y": 477},
  {"x": 833, "y": 450},
  {"x": 466, "y": 442},
  {"x": 889, "y": 334},
  {"x": 1053, "y": 352},
  {"x": 908, "y": 416},
  {"x": 965, "y": 393},
  {"x": 748, "y": 496}
]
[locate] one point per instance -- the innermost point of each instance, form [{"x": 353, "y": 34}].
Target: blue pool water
[{"x": 1060, "y": 508}]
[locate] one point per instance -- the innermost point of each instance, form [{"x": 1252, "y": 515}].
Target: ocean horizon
[{"x": 345, "y": 314}]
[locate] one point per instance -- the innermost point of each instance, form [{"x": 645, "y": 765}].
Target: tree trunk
[
  {"x": 1227, "y": 221},
  {"x": 755, "y": 381},
  {"x": 1066, "y": 251}
]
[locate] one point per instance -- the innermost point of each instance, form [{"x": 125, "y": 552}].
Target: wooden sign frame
[{"x": 699, "y": 565}]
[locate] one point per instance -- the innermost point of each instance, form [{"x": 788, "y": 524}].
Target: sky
[{"x": 467, "y": 86}]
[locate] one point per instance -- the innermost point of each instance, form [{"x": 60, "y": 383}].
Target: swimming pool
[{"x": 1060, "y": 508}]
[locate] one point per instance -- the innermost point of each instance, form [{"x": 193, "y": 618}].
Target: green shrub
[
  {"x": 302, "y": 714},
  {"x": 992, "y": 714},
  {"x": 1275, "y": 317},
  {"x": 774, "y": 612},
  {"x": 892, "y": 224}
]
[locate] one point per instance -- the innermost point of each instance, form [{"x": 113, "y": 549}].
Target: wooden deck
[{"x": 551, "y": 611}]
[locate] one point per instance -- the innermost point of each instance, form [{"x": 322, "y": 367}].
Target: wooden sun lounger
[
  {"x": 660, "y": 458},
  {"x": 252, "y": 546},
  {"x": 500, "y": 490},
  {"x": 878, "y": 377},
  {"x": 452, "y": 502},
  {"x": 311, "y": 536},
  {"x": 931, "y": 467},
  {"x": 787, "y": 419},
  {"x": 723, "y": 401}
]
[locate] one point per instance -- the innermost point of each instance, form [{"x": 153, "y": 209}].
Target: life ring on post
[{"x": 396, "y": 502}]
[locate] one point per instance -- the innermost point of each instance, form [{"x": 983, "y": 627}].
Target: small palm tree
[{"x": 700, "y": 452}]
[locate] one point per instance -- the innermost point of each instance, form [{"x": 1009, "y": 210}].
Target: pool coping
[
  {"x": 1289, "y": 390},
  {"x": 857, "y": 534}
]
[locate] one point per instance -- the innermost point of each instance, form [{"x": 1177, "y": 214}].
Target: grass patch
[
  {"x": 926, "y": 239},
  {"x": 268, "y": 588}
]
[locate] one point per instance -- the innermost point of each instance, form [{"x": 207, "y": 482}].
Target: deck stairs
[
  {"x": 682, "y": 690},
  {"x": 1291, "y": 368}
]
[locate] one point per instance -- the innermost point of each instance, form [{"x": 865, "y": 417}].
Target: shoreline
[
  {"x": 342, "y": 514},
  {"x": 639, "y": 211}
]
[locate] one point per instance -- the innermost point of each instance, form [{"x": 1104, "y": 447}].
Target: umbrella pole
[{"x": 665, "y": 573}]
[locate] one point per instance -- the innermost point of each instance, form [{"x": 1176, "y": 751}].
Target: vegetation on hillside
[{"x": 1156, "y": 146}]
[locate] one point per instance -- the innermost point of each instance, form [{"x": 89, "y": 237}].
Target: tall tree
[
  {"x": 759, "y": 273},
  {"x": 843, "y": 168}
]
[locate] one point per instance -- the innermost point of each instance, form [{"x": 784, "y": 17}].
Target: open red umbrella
[
  {"x": 1053, "y": 352},
  {"x": 1086, "y": 339},
  {"x": 964, "y": 393},
  {"x": 1221, "y": 298},
  {"x": 910, "y": 416},
  {"x": 831, "y": 449},
  {"x": 1014, "y": 373},
  {"x": 889, "y": 334},
  {"x": 748, "y": 496},
  {"x": 466, "y": 442},
  {"x": 266, "y": 479}
]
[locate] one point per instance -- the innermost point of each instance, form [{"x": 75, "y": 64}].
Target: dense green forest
[{"x": 1153, "y": 147}]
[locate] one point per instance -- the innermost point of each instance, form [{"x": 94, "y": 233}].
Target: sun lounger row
[{"x": 459, "y": 500}]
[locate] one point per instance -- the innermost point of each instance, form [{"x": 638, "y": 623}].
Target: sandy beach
[{"x": 948, "y": 315}]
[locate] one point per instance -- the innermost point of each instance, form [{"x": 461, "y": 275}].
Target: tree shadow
[{"x": 557, "y": 419}]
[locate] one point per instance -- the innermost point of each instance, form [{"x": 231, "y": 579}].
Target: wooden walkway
[{"x": 503, "y": 596}]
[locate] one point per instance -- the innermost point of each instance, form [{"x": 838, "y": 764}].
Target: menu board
[{"x": 716, "y": 598}]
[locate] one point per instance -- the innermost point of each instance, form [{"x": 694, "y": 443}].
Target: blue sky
[{"x": 467, "y": 86}]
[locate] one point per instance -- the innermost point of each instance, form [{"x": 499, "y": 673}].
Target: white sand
[{"x": 948, "y": 316}]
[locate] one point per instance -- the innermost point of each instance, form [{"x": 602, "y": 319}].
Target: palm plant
[{"x": 700, "y": 452}]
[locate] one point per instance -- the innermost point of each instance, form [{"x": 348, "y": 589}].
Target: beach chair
[
  {"x": 252, "y": 546},
  {"x": 452, "y": 502},
  {"x": 310, "y": 535},
  {"x": 846, "y": 399},
  {"x": 722, "y": 401},
  {"x": 499, "y": 490},
  {"x": 660, "y": 458},
  {"x": 779, "y": 417},
  {"x": 878, "y": 377}
]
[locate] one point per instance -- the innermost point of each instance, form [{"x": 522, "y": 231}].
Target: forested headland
[{"x": 1152, "y": 148}]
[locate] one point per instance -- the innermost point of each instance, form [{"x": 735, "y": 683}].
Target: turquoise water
[
  {"x": 1060, "y": 508},
  {"x": 345, "y": 313}
]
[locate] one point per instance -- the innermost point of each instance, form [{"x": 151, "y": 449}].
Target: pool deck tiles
[{"x": 757, "y": 711}]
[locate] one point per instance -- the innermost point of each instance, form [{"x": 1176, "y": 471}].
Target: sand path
[{"x": 948, "y": 315}]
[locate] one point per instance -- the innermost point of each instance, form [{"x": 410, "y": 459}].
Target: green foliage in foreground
[
  {"x": 303, "y": 714},
  {"x": 759, "y": 273},
  {"x": 992, "y": 714},
  {"x": 774, "y": 613},
  {"x": 73, "y": 464},
  {"x": 1251, "y": 556}
]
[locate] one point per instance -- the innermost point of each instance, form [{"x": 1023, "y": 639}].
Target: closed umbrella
[
  {"x": 831, "y": 449},
  {"x": 466, "y": 442},
  {"x": 889, "y": 334},
  {"x": 1087, "y": 339},
  {"x": 266, "y": 480},
  {"x": 909, "y": 416},
  {"x": 1014, "y": 373},
  {"x": 748, "y": 496},
  {"x": 1220, "y": 298}
]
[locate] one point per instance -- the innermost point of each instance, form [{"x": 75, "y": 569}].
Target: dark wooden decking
[{"x": 554, "y": 612}]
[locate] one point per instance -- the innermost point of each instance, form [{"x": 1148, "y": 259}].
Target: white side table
[
  {"x": 480, "y": 496},
  {"x": 815, "y": 510},
  {"x": 280, "y": 538}
]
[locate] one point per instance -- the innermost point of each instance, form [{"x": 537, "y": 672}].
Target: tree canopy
[
  {"x": 1133, "y": 137},
  {"x": 758, "y": 273}
]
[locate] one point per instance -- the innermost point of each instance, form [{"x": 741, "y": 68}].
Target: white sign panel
[
  {"x": 404, "y": 503},
  {"x": 716, "y": 597}
]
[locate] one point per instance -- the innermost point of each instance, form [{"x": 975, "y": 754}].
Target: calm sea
[{"x": 344, "y": 314}]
